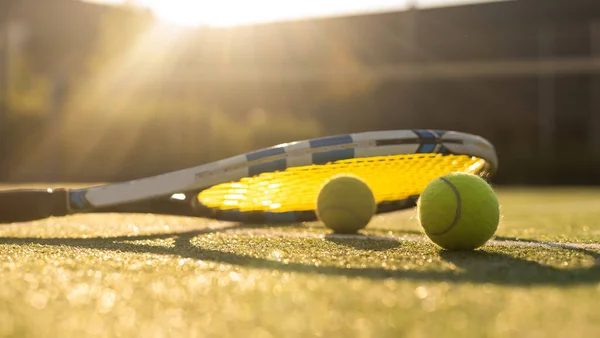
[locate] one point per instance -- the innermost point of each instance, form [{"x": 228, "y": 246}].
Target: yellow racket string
[{"x": 296, "y": 189}]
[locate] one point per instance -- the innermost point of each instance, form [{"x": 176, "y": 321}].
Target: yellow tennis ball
[
  {"x": 346, "y": 204},
  {"x": 459, "y": 211}
]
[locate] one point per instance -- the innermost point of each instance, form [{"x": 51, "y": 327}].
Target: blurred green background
[{"x": 91, "y": 92}]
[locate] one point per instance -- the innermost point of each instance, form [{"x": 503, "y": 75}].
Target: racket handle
[{"x": 25, "y": 205}]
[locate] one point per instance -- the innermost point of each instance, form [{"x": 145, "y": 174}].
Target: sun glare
[
  {"x": 224, "y": 13},
  {"x": 221, "y": 13}
]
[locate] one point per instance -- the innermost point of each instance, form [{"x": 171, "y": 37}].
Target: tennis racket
[{"x": 276, "y": 184}]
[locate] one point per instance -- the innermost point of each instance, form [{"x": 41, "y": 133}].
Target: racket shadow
[{"x": 476, "y": 266}]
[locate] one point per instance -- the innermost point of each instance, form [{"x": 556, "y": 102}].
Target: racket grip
[{"x": 25, "y": 205}]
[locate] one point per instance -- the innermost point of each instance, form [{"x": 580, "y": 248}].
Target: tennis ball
[
  {"x": 459, "y": 211},
  {"x": 345, "y": 204}
]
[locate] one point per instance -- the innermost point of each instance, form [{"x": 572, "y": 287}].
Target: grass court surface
[{"x": 161, "y": 276}]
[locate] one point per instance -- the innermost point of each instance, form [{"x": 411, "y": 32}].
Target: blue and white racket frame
[{"x": 322, "y": 151}]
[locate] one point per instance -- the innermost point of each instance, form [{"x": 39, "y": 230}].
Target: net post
[
  {"x": 546, "y": 94},
  {"x": 594, "y": 125}
]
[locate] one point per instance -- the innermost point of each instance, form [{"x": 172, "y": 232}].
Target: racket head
[{"x": 281, "y": 183}]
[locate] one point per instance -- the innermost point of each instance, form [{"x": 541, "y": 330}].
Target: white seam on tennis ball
[{"x": 458, "y": 209}]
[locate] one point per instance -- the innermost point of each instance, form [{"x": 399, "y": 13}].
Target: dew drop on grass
[
  {"x": 276, "y": 254},
  {"x": 421, "y": 292},
  {"x": 234, "y": 276}
]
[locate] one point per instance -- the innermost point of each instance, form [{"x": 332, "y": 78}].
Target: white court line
[{"x": 539, "y": 244}]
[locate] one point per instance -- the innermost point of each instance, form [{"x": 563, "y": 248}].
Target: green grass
[{"x": 157, "y": 276}]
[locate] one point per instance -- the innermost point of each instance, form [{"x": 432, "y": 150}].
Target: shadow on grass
[
  {"x": 363, "y": 242},
  {"x": 478, "y": 266}
]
